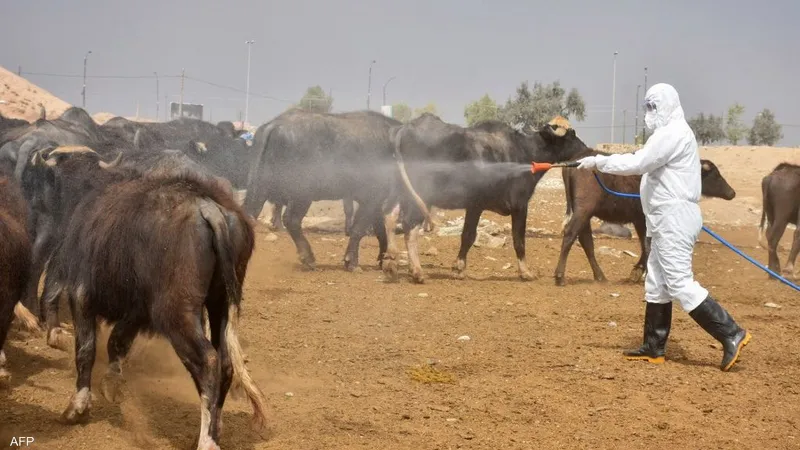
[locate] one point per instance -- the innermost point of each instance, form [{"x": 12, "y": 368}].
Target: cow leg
[
  {"x": 293, "y": 218},
  {"x": 587, "y": 242},
  {"x": 639, "y": 268},
  {"x": 276, "y": 222},
  {"x": 518, "y": 219},
  {"x": 468, "y": 235},
  {"x": 347, "y": 203},
  {"x": 57, "y": 337},
  {"x": 412, "y": 246},
  {"x": 774, "y": 234},
  {"x": 789, "y": 270},
  {"x": 85, "y": 328},
  {"x": 389, "y": 263},
  {"x": 361, "y": 222},
  {"x": 6, "y": 317},
  {"x": 219, "y": 322},
  {"x": 119, "y": 345},
  {"x": 202, "y": 362},
  {"x": 570, "y": 232},
  {"x": 380, "y": 233}
]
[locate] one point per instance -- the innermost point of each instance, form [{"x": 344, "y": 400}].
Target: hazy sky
[{"x": 447, "y": 52}]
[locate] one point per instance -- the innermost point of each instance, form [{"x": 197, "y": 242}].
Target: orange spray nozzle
[{"x": 544, "y": 167}]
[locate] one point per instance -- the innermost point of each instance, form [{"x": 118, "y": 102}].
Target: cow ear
[{"x": 200, "y": 147}]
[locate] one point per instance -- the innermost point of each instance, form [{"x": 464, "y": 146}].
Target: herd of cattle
[{"x": 139, "y": 224}]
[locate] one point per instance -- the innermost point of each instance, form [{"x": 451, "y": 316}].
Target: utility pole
[
  {"x": 644, "y": 128},
  {"x": 247, "y": 89},
  {"x": 83, "y": 92},
  {"x": 19, "y": 71},
  {"x": 180, "y": 107},
  {"x": 624, "y": 124},
  {"x": 613, "y": 96},
  {"x": 384, "y": 89},
  {"x": 157, "y": 96},
  {"x": 369, "y": 83},
  {"x": 166, "y": 108},
  {"x": 636, "y": 121},
  {"x": 137, "y": 109}
]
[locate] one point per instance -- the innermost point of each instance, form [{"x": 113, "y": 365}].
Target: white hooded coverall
[{"x": 670, "y": 193}]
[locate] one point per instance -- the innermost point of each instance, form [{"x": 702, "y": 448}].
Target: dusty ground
[{"x": 335, "y": 352}]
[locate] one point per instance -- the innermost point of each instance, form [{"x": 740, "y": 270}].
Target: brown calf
[
  {"x": 587, "y": 199},
  {"x": 781, "y": 205}
]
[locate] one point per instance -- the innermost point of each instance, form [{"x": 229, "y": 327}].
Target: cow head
[
  {"x": 714, "y": 185},
  {"x": 560, "y": 141}
]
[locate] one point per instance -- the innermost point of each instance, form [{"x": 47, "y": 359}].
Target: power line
[{"x": 66, "y": 75}]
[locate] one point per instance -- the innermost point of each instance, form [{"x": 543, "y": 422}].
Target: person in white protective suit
[{"x": 670, "y": 192}]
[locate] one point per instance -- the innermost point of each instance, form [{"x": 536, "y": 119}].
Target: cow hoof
[
  {"x": 2, "y": 358},
  {"x": 353, "y": 269},
  {"x": 561, "y": 281},
  {"x": 636, "y": 275},
  {"x": 5, "y": 377},
  {"x": 526, "y": 276},
  {"x": 207, "y": 443},
  {"x": 111, "y": 386},
  {"x": 418, "y": 278},
  {"x": 73, "y": 415},
  {"x": 390, "y": 269},
  {"x": 461, "y": 275},
  {"x": 59, "y": 339}
]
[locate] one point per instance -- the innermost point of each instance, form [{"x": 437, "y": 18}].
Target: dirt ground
[{"x": 342, "y": 356}]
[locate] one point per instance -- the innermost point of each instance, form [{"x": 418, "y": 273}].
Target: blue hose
[{"x": 714, "y": 235}]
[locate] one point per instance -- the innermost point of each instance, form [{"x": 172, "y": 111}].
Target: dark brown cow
[
  {"x": 485, "y": 167},
  {"x": 149, "y": 255},
  {"x": 15, "y": 258},
  {"x": 587, "y": 199},
  {"x": 780, "y": 191}
]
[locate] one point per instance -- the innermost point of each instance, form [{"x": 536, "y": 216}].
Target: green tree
[
  {"x": 401, "y": 112},
  {"x": 707, "y": 129},
  {"x": 315, "y": 99},
  {"x": 535, "y": 107},
  {"x": 481, "y": 110},
  {"x": 766, "y": 130},
  {"x": 429, "y": 108},
  {"x": 734, "y": 128}
]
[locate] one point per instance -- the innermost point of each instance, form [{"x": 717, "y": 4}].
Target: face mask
[{"x": 650, "y": 120}]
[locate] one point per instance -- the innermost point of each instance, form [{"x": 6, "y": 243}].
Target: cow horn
[
  {"x": 72, "y": 149},
  {"x": 37, "y": 159},
  {"x": 113, "y": 163}
]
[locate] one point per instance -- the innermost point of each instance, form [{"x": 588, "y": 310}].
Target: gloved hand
[{"x": 589, "y": 163}]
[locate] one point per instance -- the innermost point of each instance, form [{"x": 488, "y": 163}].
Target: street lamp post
[
  {"x": 613, "y": 96},
  {"x": 369, "y": 83},
  {"x": 384, "y": 89},
  {"x": 247, "y": 89},
  {"x": 83, "y": 92}
]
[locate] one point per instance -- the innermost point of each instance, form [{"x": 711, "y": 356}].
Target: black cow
[
  {"x": 480, "y": 168},
  {"x": 15, "y": 258},
  {"x": 210, "y": 145},
  {"x": 780, "y": 191},
  {"x": 148, "y": 255},
  {"x": 586, "y": 199},
  {"x": 302, "y": 156}
]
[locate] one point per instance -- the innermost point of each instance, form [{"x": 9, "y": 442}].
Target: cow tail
[
  {"x": 567, "y": 179},
  {"x": 407, "y": 183},
  {"x": 226, "y": 262},
  {"x": 28, "y": 319}
]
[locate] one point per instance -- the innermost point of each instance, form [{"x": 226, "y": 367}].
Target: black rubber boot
[
  {"x": 657, "y": 323},
  {"x": 719, "y": 324}
]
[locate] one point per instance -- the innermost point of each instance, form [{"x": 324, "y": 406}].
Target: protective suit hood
[{"x": 667, "y": 106}]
